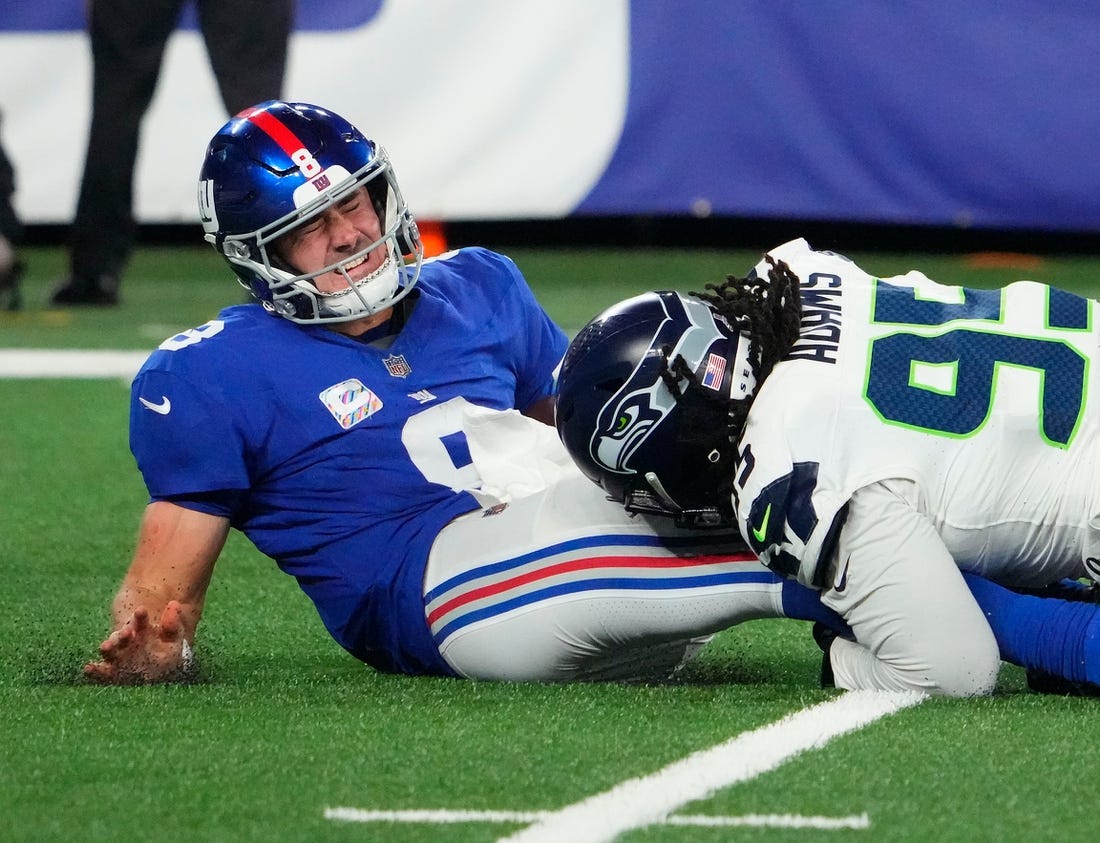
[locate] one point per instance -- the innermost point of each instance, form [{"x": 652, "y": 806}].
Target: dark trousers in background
[
  {"x": 246, "y": 41},
  {"x": 10, "y": 228},
  {"x": 11, "y": 232}
]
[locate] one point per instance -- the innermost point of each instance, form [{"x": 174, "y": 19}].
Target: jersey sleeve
[
  {"x": 186, "y": 440},
  {"x": 538, "y": 342},
  {"x": 792, "y": 502}
]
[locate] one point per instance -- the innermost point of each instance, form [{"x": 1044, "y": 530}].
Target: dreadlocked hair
[{"x": 768, "y": 311}]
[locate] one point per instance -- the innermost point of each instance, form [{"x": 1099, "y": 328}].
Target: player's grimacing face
[{"x": 340, "y": 231}]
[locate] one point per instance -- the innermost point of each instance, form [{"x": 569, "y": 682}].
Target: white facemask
[{"x": 362, "y": 298}]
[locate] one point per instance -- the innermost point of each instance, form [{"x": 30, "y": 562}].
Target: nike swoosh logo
[
  {"x": 762, "y": 531},
  {"x": 841, "y": 581},
  {"x": 164, "y": 407}
]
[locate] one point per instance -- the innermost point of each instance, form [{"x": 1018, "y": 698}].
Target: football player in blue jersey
[
  {"x": 880, "y": 440},
  {"x": 379, "y": 425}
]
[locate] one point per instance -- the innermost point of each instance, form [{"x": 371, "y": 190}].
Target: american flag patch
[{"x": 716, "y": 367}]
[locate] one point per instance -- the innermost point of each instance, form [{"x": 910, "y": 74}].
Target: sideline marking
[
  {"x": 442, "y": 816},
  {"x": 650, "y": 800},
  {"x": 69, "y": 363},
  {"x": 446, "y": 817},
  {"x": 773, "y": 821}
]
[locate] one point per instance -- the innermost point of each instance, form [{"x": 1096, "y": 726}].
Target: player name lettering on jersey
[{"x": 819, "y": 334}]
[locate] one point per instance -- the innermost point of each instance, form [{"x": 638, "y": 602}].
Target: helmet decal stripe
[
  {"x": 289, "y": 142},
  {"x": 274, "y": 128}
]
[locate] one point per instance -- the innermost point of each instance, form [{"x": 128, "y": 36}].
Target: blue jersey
[{"x": 342, "y": 460}]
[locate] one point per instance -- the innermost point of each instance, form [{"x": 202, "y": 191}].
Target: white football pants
[
  {"x": 916, "y": 624},
  {"x": 566, "y": 585}
]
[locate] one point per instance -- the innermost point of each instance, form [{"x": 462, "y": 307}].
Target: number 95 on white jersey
[{"x": 981, "y": 397}]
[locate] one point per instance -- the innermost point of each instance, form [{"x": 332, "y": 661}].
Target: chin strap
[{"x": 642, "y": 502}]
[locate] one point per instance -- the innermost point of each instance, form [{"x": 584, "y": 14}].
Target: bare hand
[{"x": 141, "y": 652}]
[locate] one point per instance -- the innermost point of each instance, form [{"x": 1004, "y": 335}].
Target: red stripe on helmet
[{"x": 274, "y": 128}]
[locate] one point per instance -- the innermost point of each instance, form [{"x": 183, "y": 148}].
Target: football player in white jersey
[{"x": 873, "y": 439}]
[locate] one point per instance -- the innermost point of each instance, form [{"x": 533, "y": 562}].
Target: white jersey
[{"x": 983, "y": 399}]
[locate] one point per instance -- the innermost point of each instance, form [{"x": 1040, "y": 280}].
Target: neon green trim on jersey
[
  {"x": 1090, "y": 304},
  {"x": 930, "y": 372},
  {"x": 958, "y": 292},
  {"x": 994, "y": 379}
]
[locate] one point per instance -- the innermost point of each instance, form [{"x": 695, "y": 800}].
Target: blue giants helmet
[
  {"x": 279, "y": 165},
  {"x": 643, "y": 405}
]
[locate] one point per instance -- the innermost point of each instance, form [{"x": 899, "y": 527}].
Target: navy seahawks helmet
[
  {"x": 279, "y": 165},
  {"x": 643, "y": 405}
]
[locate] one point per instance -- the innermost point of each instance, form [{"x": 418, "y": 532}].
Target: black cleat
[
  {"x": 825, "y": 637},
  {"x": 1046, "y": 683},
  {"x": 76, "y": 291}
]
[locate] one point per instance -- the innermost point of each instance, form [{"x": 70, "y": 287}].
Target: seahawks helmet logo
[{"x": 639, "y": 406}]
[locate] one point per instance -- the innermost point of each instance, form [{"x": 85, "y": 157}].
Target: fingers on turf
[{"x": 170, "y": 621}]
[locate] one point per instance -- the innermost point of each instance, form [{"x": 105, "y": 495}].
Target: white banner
[{"x": 488, "y": 109}]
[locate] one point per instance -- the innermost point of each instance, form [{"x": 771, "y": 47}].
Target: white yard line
[
  {"x": 650, "y": 800},
  {"x": 860, "y": 821},
  {"x": 441, "y": 817},
  {"x": 69, "y": 363},
  {"x": 446, "y": 817}
]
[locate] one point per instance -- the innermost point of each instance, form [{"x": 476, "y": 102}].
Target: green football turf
[{"x": 283, "y": 724}]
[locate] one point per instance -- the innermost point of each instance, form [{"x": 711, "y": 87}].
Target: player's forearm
[{"x": 174, "y": 560}]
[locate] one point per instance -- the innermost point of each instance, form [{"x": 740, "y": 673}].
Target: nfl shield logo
[{"x": 397, "y": 365}]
